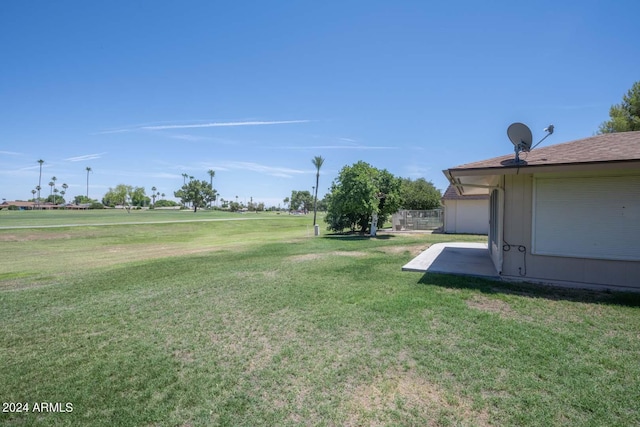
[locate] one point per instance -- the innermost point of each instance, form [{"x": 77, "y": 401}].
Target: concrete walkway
[{"x": 470, "y": 259}]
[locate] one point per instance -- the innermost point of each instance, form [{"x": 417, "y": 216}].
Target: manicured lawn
[{"x": 257, "y": 323}]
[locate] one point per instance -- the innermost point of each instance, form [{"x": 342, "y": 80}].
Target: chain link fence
[{"x": 417, "y": 220}]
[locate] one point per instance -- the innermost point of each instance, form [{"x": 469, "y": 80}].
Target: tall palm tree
[
  {"x": 51, "y": 184},
  {"x": 184, "y": 178},
  {"x": 33, "y": 192},
  {"x": 88, "y": 170},
  {"x": 317, "y": 162},
  {"x": 211, "y": 173},
  {"x": 39, "y": 180},
  {"x": 64, "y": 189},
  {"x": 55, "y": 190},
  {"x": 153, "y": 195}
]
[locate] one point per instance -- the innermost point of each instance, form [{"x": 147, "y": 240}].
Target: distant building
[
  {"x": 569, "y": 213},
  {"x": 465, "y": 214}
]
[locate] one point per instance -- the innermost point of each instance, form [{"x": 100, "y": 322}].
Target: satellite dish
[{"x": 520, "y": 136}]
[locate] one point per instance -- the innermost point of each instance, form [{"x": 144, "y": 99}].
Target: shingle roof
[
  {"x": 610, "y": 147},
  {"x": 452, "y": 194}
]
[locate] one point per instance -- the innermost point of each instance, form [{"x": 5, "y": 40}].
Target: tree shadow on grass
[
  {"x": 531, "y": 290},
  {"x": 357, "y": 236}
]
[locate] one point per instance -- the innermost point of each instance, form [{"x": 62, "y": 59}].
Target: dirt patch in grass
[
  {"x": 28, "y": 237},
  {"x": 482, "y": 303},
  {"x": 406, "y": 393},
  {"x": 413, "y": 250},
  {"x": 311, "y": 257}
]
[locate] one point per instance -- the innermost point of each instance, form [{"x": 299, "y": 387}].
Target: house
[
  {"x": 567, "y": 213},
  {"x": 22, "y": 205},
  {"x": 465, "y": 214}
]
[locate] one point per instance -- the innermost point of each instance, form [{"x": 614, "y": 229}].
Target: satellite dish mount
[{"x": 521, "y": 138}]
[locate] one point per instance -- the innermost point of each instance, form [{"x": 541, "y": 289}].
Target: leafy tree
[
  {"x": 81, "y": 200},
  {"x": 198, "y": 193},
  {"x": 139, "y": 197},
  {"x": 55, "y": 199},
  {"x": 234, "y": 206},
  {"x": 117, "y": 196},
  {"x": 419, "y": 195},
  {"x": 624, "y": 117},
  {"x": 358, "y": 192},
  {"x": 165, "y": 203},
  {"x": 301, "y": 200},
  {"x": 286, "y": 201},
  {"x": 322, "y": 204}
]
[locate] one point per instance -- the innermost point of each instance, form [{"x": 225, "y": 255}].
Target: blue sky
[{"x": 145, "y": 91}]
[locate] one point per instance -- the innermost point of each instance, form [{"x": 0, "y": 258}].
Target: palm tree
[
  {"x": 33, "y": 192},
  {"x": 153, "y": 195},
  {"x": 55, "y": 190},
  {"x": 51, "y": 184},
  {"x": 39, "y": 180},
  {"x": 211, "y": 173},
  {"x": 88, "y": 170},
  {"x": 184, "y": 178},
  {"x": 64, "y": 189},
  {"x": 317, "y": 162}
]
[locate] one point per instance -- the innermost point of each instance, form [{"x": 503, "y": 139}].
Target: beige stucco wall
[
  {"x": 466, "y": 216},
  {"x": 518, "y": 209}
]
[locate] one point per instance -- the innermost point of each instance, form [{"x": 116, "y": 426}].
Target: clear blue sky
[{"x": 144, "y": 91}]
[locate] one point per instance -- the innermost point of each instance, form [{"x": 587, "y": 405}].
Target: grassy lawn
[{"x": 257, "y": 323}]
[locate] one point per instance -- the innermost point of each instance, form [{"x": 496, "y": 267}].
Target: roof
[
  {"x": 452, "y": 194},
  {"x": 610, "y": 147},
  {"x": 18, "y": 203},
  {"x": 607, "y": 151}
]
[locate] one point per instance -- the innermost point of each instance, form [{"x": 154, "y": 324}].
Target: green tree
[
  {"x": 358, "y": 192},
  {"x": 64, "y": 191},
  {"x": 139, "y": 197},
  {"x": 301, "y": 200},
  {"x": 51, "y": 184},
  {"x": 317, "y": 162},
  {"x": 165, "y": 203},
  {"x": 81, "y": 200},
  {"x": 119, "y": 195},
  {"x": 198, "y": 193},
  {"x": 419, "y": 195},
  {"x": 211, "y": 173},
  {"x": 624, "y": 117},
  {"x": 153, "y": 195}
]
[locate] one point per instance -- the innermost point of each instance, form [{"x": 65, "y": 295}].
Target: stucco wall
[
  {"x": 519, "y": 262},
  {"x": 466, "y": 216}
]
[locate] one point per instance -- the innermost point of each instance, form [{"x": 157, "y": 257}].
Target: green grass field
[{"x": 256, "y": 322}]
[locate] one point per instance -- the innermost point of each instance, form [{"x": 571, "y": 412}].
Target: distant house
[
  {"x": 18, "y": 204},
  {"x": 465, "y": 214},
  {"x": 569, "y": 213}
]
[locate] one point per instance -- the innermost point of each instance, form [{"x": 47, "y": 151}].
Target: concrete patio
[{"x": 470, "y": 259}]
